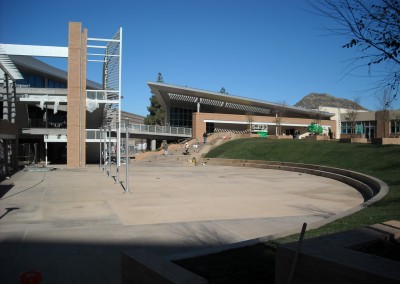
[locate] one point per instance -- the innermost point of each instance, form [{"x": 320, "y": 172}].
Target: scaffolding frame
[{"x": 112, "y": 81}]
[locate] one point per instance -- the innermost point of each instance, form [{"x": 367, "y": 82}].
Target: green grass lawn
[{"x": 380, "y": 161}]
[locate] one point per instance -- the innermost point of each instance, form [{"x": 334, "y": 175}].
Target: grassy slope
[{"x": 379, "y": 161}]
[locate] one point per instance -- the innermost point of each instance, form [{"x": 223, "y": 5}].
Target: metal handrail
[
  {"x": 158, "y": 129},
  {"x": 148, "y": 129}
]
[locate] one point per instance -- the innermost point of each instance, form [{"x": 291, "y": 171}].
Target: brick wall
[
  {"x": 199, "y": 126},
  {"x": 76, "y": 108}
]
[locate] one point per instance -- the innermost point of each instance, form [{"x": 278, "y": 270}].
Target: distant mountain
[{"x": 314, "y": 100}]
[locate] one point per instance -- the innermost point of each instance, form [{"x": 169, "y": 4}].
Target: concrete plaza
[{"x": 72, "y": 224}]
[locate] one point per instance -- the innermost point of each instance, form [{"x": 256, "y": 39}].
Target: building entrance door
[
  {"x": 372, "y": 133},
  {"x": 367, "y": 129}
]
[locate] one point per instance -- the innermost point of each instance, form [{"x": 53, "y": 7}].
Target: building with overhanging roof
[{"x": 207, "y": 111}]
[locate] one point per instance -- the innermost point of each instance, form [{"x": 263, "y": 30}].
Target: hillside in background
[{"x": 314, "y": 100}]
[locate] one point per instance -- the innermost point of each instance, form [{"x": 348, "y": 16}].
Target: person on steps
[{"x": 165, "y": 147}]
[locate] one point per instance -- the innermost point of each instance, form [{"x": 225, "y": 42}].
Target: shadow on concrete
[
  {"x": 73, "y": 261},
  {"x": 4, "y": 188},
  {"x": 9, "y": 187},
  {"x": 315, "y": 211},
  {"x": 8, "y": 210}
]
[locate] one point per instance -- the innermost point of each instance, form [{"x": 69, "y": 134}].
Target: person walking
[
  {"x": 186, "y": 148},
  {"x": 205, "y": 137},
  {"x": 165, "y": 147}
]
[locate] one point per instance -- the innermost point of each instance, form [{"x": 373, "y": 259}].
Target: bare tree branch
[{"x": 374, "y": 28}]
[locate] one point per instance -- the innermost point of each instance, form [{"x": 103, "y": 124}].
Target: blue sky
[{"x": 274, "y": 51}]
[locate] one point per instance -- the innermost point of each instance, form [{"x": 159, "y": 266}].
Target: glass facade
[
  {"x": 361, "y": 127},
  {"x": 346, "y": 128},
  {"x": 31, "y": 80},
  {"x": 37, "y": 81},
  {"x": 180, "y": 117},
  {"x": 55, "y": 84}
]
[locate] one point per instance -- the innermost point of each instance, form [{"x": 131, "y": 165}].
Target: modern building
[
  {"x": 206, "y": 111},
  {"x": 58, "y": 114},
  {"x": 366, "y": 124},
  {"x": 340, "y": 114},
  {"x": 209, "y": 112},
  {"x": 37, "y": 121},
  {"x": 371, "y": 125}
]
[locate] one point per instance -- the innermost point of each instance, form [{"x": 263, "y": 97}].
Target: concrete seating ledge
[
  {"x": 371, "y": 188},
  {"x": 334, "y": 258},
  {"x": 141, "y": 266}
]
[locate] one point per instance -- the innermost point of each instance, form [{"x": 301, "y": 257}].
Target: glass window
[
  {"x": 394, "y": 127},
  {"x": 210, "y": 127},
  {"x": 31, "y": 80},
  {"x": 346, "y": 128},
  {"x": 180, "y": 117},
  {"x": 37, "y": 81},
  {"x": 55, "y": 84}
]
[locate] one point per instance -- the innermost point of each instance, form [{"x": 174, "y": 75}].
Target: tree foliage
[
  {"x": 373, "y": 27},
  {"x": 156, "y": 114}
]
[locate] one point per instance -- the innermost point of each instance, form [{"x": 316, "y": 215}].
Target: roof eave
[{"x": 157, "y": 87}]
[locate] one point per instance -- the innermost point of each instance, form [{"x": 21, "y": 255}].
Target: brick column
[
  {"x": 198, "y": 126},
  {"x": 382, "y": 124},
  {"x": 76, "y": 108}
]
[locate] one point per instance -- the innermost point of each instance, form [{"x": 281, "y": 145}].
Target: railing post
[
  {"x": 109, "y": 151},
  {"x": 118, "y": 151},
  {"x": 100, "y": 147},
  {"x": 127, "y": 160}
]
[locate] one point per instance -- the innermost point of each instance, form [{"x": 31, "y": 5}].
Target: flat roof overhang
[
  {"x": 44, "y": 131},
  {"x": 169, "y": 95}
]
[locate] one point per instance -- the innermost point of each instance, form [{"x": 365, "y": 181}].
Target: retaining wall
[{"x": 335, "y": 259}]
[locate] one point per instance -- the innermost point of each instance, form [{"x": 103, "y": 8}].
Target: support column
[
  {"x": 5, "y": 99},
  {"x": 76, "y": 112},
  {"x": 382, "y": 124},
  {"x": 13, "y": 107}
]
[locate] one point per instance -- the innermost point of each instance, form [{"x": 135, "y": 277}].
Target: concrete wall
[
  {"x": 141, "y": 266},
  {"x": 332, "y": 259},
  {"x": 387, "y": 141}
]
